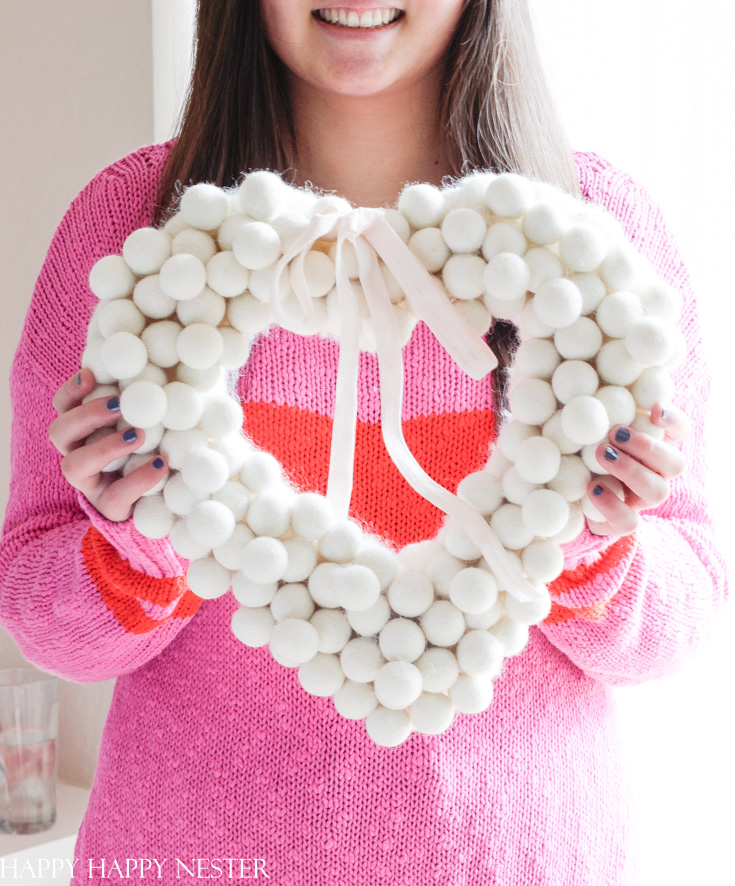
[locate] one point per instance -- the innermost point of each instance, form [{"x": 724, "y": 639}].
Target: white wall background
[{"x": 647, "y": 84}]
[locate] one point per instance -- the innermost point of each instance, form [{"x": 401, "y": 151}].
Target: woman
[{"x": 211, "y": 750}]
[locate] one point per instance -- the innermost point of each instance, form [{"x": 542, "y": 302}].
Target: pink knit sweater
[{"x": 213, "y": 751}]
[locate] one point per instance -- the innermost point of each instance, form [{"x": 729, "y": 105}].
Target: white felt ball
[
  {"x": 160, "y": 342},
  {"x": 175, "y": 225},
  {"x": 487, "y": 618},
  {"x": 184, "y": 544},
  {"x": 617, "y": 312},
  {"x": 143, "y": 404},
  {"x": 269, "y": 514},
  {"x": 370, "y": 622},
  {"x": 293, "y": 642},
  {"x": 537, "y": 358},
  {"x": 584, "y": 419},
  {"x": 252, "y": 593},
  {"x": 542, "y": 560},
  {"x": 430, "y": 248},
  {"x": 544, "y": 266},
  {"x": 229, "y": 554},
  {"x": 323, "y": 586},
  {"x": 588, "y": 454},
  {"x": 439, "y": 669},
  {"x": 196, "y": 243},
  {"x": 508, "y": 195},
  {"x": 204, "y": 470},
  {"x": 381, "y": 559},
  {"x": 431, "y": 713},
  {"x": 508, "y": 525},
  {"x": 202, "y": 380},
  {"x": 319, "y": 272},
  {"x": 234, "y": 449},
  {"x": 413, "y": 556},
  {"x": 146, "y": 249},
  {"x": 545, "y": 512},
  {"x": 473, "y": 590},
  {"x": 179, "y": 498},
  {"x": 505, "y": 277},
  {"x": 361, "y": 659},
  {"x": 150, "y": 372},
  {"x": 110, "y": 277},
  {"x": 289, "y": 225},
  {"x": 463, "y": 230},
  {"x": 574, "y": 378},
  {"x": 459, "y": 543},
  {"x": 260, "y": 471},
  {"x": 482, "y": 491},
  {"x": 543, "y": 223},
  {"x": 618, "y": 402},
  {"x": 476, "y": 314},
  {"x": 532, "y": 611},
  {"x": 470, "y": 695},
  {"x": 264, "y": 560},
  {"x": 252, "y": 627},
  {"x": 575, "y": 524},
  {"x": 512, "y": 635},
  {"x": 208, "y": 578},
  {"x": 618, "y": 269},
  {"x": 119, "y": 315},
  {"x": 515, "y": 488},
  {"x": 220, "y": 416},
  {"x": 207, "y": 307},
  {"x": 495, "y": 307},
  {"x": 211, "y": 523},
  {"x": 479, "y": 653},
  {"x": 580, "y": 340},
  {"x": 503, "y": 237},
  {"x": 247, "y": 314},
  {"x": 184, "y": 406},
  {"x": 463, "y": 276},
  {"x": 397, "y": 684},
  {"x": 340, "y": 542},
  {"x": 177, "y": 445},
  {"x": 182, "y": 276},
  {"x": 355, "y": 701},
  {"x": 512, "y": 435},
  {"x": 399, "y": 224},
  {"x": 387, "y": 728},
  {"x": 322, "y": 675},
  {"x": 442, "y": 623},
  {"x": 262, "y": 194},
  {"x": 302, "y": 559},
  {"x": 532, "y": 401},
  {"x": 652, "y": 386},
  {"x": 531, "y": 325},
  {"x": 235, "y": 348},
  {"x": 292, "y": 601},
  {"x": 348, "y": 257},
  {"x": 571, "y": 479},
  {"x": 401, "y": 640},
  {"x": 497, "y": 463},
  {"x": 649, "y": 341},
  {"x": 199, "y": 346},
  {"x": 410, "y": 593},
  {"x": 661, "y": 300},
  {"x": 644, "y": 424},
  {"x": 615, "y": 365},
  {"x": 558, "y": 302},
  {"x": 357, "y": 587},
  {"x": 152, "y": 516},
  {"x": 256, "y": 245},
  {"x": 204, "y": 206},
  {"x": 123, "y": 355},
  {"x": 538, "y": 459},
  {"x": 583, "y": 247},
  {"x": 422, "y": 205},
  {"x": 333, "y": 628}
]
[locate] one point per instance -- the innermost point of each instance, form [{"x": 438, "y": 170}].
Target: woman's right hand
[{"x": 82, "y": 465}]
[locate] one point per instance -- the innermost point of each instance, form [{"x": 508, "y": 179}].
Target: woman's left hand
[{"x": 643, "y": 465}]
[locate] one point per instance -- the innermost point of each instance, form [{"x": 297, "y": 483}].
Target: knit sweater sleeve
[
  {"x": 84, "y": 598},
  {"x": 633, "y": 608}
]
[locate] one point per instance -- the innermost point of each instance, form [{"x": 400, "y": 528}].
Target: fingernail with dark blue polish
[
  {"x": 78, "y": 379},
  {"x": 158, "y": 463},
  {"x": 130, "y": 435},
  {"x": 622, "y": 435},
  {"x": 610, "y": 454},
  {"x": 113, "y": 404},
  {"x": 597, "y": 490}
]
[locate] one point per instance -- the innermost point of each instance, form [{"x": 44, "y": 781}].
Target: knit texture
[{"x": 211, "y": 750}]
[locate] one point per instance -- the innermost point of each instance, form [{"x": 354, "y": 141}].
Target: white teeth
[{"x": 350, "y": 18}]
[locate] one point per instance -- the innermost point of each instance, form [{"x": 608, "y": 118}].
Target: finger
[
  {"x": 71, "y": 428},
  {"x": 83, "y": 465},
  {"x": 71, "y": 392},
  {"x": 650, "y": 487},
  {"x": 620, "y": 518},
  {"x": 117, "y": 499},
  {"x": 675, "y": 423},
  {"x": 657, "y": 455}
]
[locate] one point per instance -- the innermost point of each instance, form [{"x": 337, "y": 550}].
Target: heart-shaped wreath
[{"x": 403, "y": 639}]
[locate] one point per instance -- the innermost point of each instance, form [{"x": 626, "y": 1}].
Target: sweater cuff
[
  {"x": 585, "y": 548},
  {"x": 154, "y": 557}
]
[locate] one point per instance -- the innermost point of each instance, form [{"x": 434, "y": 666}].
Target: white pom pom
[
  {"x": 182, "y": 276},
  {"x": 575, "y": 524},
  {"x": 441, "y": 569},
  {"x": 439, "y": 669},
  {"x": 256, "y": 245},
  {"x": 482, "y": 491},
  {"x": 617, "y": 312},
  {"x": 544, "y": 265},
  {"x": 146, "y": 249},
  {"x": 661, "y": 300},
  {"x": 322, "y": 584},
  {"x": 380, "y": 559},
  {"x": 199, "y": 346},
  {"x": 538, "y": 459},
  {"x": 584, "y": 419},
  {"x": 410, "y": 593},
  {"x": 252, "y": 593},
  {"x": 143, "y": 404},
  {"x": 211, "y": 523},
  {"x": 542, "y": 560},
  {"x": 204, "y": 470},
  {"x": 123, "y": 355},
  {"x": 202, "y": 380},
  {"x": 370, "y": 622},
  {"x": 506, "y": 276},
  {"x": 355, "y": 701},
  {"x": 207, "y": 308},
  {"x": 110, "y": 277},
  {"x": 479, "y": 653},
  {"x": 503, "y": 237},
  {"x": 459, "y": 543},
  {"x": 532, "y": 401},
  {"x": 288, "y": 226},
  {"x": 357, "y": 588},
  {"x": 397, "y": 684},
  {"x": 401, "y": 640},
  {"x": 388, "y": 728},
  {"x": 512, "y": 635},
  {"x": 592, "y": 290},
  {"x": 319, "y": 272},
  {"x": 152, "y": 517},
  {"x": 571, "y": 479},
  {"x": 463, "y": 230},
  {"x": 184, "y": 406},
  {"x": 470, "y": 695},
  {"x": 208, "y": 578},
  {"x": 619, "y": 404},
  {"x": 654, "y": 385},
  {"x": 583, "y": 247},
  {"x": 430, "y": 248},
  {"x": 262, "y": 194},
  {"x": 399, "y": 224},
  {"x": 422, "y": 205},
  {"x": 537, "y": 358},
  {"x": 574, "y": 378},
  {"x": 247, "y": 314},
  {"x": 431, "y": 713},
  {"x": 531, "y": 325},
  {"x": 264, "y": 560},
  {"x": 333, "y": 628},
  {"x": 515, "y": 487},
  {"x": 649, "y": 341},
  {"x": 322, "y": 675},
  {"x": 269, "y": 514},
  {"x": 532, "y": 611},
  {"x": 361, "y": 659},
  {"x": 508, "y": 525},
  {"x": 557, "y": 302},
  {"x": 260, "y": 471},
  {"x": 476, "y": 314},
  {"x": 175, "y": 225},
  {"x": 442, "y": 623},
  {"x": 543, "y": 224},
  {"x": 252, "y": 627},
  {"x": 179, "y": 498},
  {"x": 340, "y": 542},
  {"x": 580, "y": 340},
  {"x": 615, "y": 365},
  {"x": 618, "y": 269},
  {"x": 176, "y": 446},
  {"x": 545, "y": 512},
  {"x": 512, "y": 435},
  {"x": 119, "y": 315},
  {"x": 160, "y": 341},
  {"x": 184, "y": 544},
  {"x": 509, "y": 195},
  {"x": 473, "y": 590},
  {"x": 229, "y": 554},
  {"x": 485, "y": 619},
  {"x": 293, "y": 642},
  {"x": 196, "y": 243},
  {"x": 204, "y": 206},
  {"x": 292, "y": 601},
  {"x": 463, "y": 276}
]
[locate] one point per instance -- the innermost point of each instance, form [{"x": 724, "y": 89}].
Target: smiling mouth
[{"x": 351, "y": 18}]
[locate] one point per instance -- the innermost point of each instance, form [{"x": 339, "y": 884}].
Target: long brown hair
[{"x": 497, "y": 111}]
